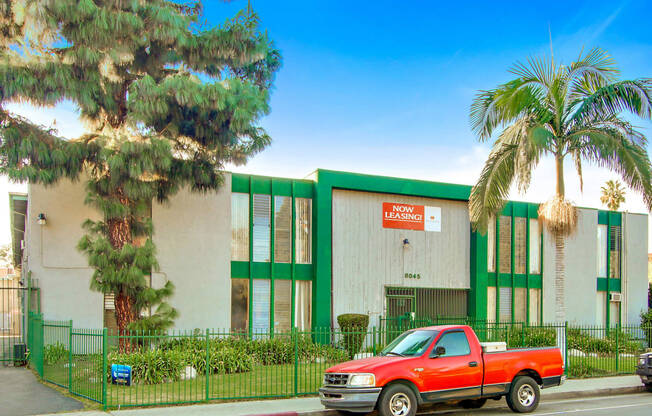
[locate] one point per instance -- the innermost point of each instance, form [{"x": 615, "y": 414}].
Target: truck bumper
[
  {"x": 361, "y": 400},
  {"x": 645, "y": 373}
]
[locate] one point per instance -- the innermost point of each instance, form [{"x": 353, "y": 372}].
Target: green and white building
[{"x": 278, "y": 253}]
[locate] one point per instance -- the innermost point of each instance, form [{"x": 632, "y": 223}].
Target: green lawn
[{"x": 585, "y": 367}]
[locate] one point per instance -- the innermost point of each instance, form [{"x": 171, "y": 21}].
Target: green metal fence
[{"x": 203, "y": 365}]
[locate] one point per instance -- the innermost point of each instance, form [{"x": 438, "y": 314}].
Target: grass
[
  {"x": 601, "y": 366},
  {"x": 262, "y": 382}
]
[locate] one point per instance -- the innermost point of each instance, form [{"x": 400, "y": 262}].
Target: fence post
[
  {"x": 296, "y": 362},
  {"x": 70, "y": 356},
  {"x": 104, "y": 364},
  {"x": 617, "y": 347},
  {"x": 566, "y": 363},
  {"x": 374, "y": 341},
  {"x": 522, "y": 334},
  {"x": 208, "y": 340}
]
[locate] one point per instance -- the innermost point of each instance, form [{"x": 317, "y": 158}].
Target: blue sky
[{"x": 384, "y": 87}]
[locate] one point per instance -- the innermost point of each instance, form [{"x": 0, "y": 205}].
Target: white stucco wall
[
  {"x": 635, "y": 284},
  {"x": 192, "y": 233},
  {"x": 581, "y": 293},
  {"x": 368, "y": 257},
  {"x": 52, "y": 256}
]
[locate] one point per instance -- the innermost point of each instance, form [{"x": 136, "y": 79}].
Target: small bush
[
  {"x": 532, "y": 337},
  {"x": 54, "y": 353},
  {"x": 646, "y": 324},
  {"x": 354, "y": 330},
  {"x": 583, "y": 341},
  {"x": 151, "y": 367}
]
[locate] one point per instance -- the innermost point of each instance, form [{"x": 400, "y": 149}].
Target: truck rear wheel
[
  {"x": 397, "y": 400},
  {"x": 649, "y": 387},
  {"x": 524, "y": 395}
]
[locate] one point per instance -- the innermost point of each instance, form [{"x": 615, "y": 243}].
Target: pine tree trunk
[
  {"x": 119, "y": 230},
  {"x": 560, "y": 278}
]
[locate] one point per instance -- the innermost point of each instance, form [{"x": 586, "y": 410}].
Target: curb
[{"x": 550, "y": 396}]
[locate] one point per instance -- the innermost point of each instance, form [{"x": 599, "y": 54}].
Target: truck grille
[{"x": 335, "y": 379}]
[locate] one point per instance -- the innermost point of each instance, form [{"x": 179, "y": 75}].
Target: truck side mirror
[{"x": 439, "y": 351}]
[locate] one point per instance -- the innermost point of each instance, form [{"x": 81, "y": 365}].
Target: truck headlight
[
  {"x": 641, "y": 361},
  {"x": 362, "y": 380}
]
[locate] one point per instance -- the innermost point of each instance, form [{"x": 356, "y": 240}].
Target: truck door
[{"x": 455, "y": 374}]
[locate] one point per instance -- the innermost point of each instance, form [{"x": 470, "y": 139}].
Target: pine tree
[{"x": 167, "y": 100}]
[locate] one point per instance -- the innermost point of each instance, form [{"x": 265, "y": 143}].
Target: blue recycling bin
[{"x": 121, "y": 374}]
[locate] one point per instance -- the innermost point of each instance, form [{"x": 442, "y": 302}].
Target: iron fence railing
[{"x": 204, "y": 365}]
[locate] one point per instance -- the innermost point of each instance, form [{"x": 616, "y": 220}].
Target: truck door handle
[{"x": 473, "y": 364}]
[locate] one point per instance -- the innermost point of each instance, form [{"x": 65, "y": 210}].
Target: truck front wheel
[
  {"x": 524, "y": 395},
  {"x": 397, "y": 400}
]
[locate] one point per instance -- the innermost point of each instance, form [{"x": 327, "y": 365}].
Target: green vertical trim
[
  {"x": 541, "y": 270},
  {"x": 293, "y": 259},
  {"x": 527, "y": 270},
  {"x": 497, "y": 254},
  {"x": 479, "y": 277},
  {"x": 512, "y": 246},
  {"x": 608, "y": 323},
  {"x": 272, "y": 237},
  {"x": 251, "y": 256}
]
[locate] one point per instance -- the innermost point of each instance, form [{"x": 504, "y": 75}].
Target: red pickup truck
[{"x": 441, "y": 364}]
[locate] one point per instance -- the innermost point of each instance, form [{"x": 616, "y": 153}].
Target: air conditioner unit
[{"x": 615, "y": 297}]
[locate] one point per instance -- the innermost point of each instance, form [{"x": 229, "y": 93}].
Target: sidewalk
[{"x": 310, "y": 406}]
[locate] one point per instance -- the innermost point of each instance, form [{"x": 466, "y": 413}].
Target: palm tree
[
  {"x": 560, "y": 111},
  {"x": 613, "y": 194}
]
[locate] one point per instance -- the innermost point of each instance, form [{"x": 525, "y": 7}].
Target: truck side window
[{"x": 455, "y": 343}]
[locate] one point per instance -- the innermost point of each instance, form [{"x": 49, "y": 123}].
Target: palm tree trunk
[
  {"x": 560, "y": 278},
  {"x": 560, "y": 246}
]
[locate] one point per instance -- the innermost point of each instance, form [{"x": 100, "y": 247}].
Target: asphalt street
[{"x": 632, "y": 404}]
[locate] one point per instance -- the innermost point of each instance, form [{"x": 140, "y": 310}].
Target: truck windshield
[{"x": 410, "y": 344}]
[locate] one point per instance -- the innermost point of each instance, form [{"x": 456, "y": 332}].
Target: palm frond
[
  {"x": 613, "y": 149},
  {"x": 634, "y": 96}
]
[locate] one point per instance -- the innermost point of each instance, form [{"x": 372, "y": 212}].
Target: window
[
  {"x": 302, "y": 305},
  {"x": 491, "y": 304},
  {"x": 535, "y": 247},
  {"x": 505, "y": 240},
  {"x": 239, "y": 304},
  {"x": 411, "y": 343},
  {"x": 614, "y": 313},
  {"x": 491, "y": 245},
  {"x": 431, "y": 303},
  {"x": 614, "y": 251},
  {"x": 535, "y": 308},
  {"x": 303, "y": 230},
  {"x": 261, "y": 231},
  {"x": 455, "y": 343},
  {"x": 505, "y": 304},
  {"x": 260, "y": 307},
  {"x": 602, "y": 250},
  {"x": 282, "y": 230},
  {"x": 239, "y": 227},
  {"x": 520, "y": 304},
  {"x": 600, "y": 311},
  {"x": 282, "y": 305},
  {"x": 520, "y": 245}
]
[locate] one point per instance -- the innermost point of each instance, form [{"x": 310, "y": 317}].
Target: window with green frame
[
  {"x": 271, "y": 253},
  {"x": 514, "y": 265}
]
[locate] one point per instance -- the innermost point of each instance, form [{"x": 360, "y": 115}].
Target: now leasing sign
[{"x": 411, "y": 217}]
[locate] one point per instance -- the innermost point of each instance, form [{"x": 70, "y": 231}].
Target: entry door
[{"x": 399, "y": 306}]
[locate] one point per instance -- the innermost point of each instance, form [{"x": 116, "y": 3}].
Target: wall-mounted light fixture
[
  {"x": 406, "y": 243},
  {"x": 40, "y": 219}
]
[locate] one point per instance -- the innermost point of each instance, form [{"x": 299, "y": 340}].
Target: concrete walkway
[
  {"x": 310, "y": 406},
  {"x": 21, "y": 395}
]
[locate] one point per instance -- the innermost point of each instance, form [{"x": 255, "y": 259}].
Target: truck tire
[
  {"x": 397, "y": 400},
  {"x": 649, "y": 387},
  {"x": 473, "y": 404},
  {"x": 524, "y": 395}
]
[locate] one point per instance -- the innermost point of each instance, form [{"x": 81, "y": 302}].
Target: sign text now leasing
[{"x": 411, "y": 217}]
